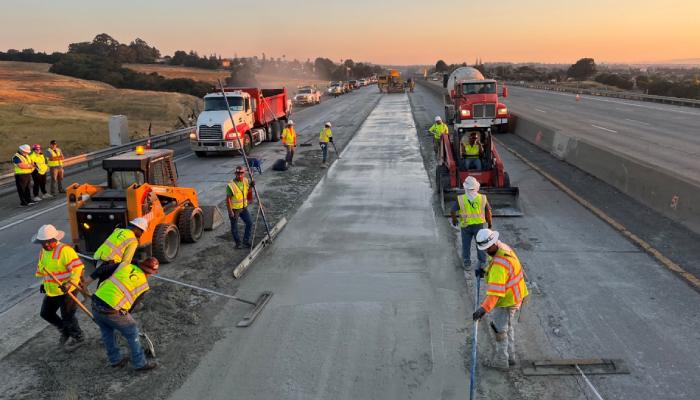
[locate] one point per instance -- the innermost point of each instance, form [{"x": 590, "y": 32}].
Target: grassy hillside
[{"x": 37, "y": 106}]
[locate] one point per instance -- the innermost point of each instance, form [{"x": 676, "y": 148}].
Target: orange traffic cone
[
  {"x": 578, "y": 97},
  {"x": 148, "y": 143}
]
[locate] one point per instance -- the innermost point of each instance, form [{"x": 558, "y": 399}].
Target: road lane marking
[
  {"x": 605, "y": 129},
  {"x": 542, "y": 111},
  {"x": 639, "y": 122}
]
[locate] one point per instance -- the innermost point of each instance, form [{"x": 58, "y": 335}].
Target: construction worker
[
  {"x": 438, "y": 129},
  {"x": 325, "y": 137},
  {"x": 121, "y": 245},
  {"x": 55, "y": 156},
  {"x": 238, "y": 195},
  {"x": 120, "y": 288},
  {"x": 471, "y": 211},
  {"x": 39, "y": 173},
  {"x": 472, "y": 151},
  {"x": 61, "y": 261},
  {"x": 289, "y": 140},
  {"x": 505, "y": 292},
  {"x": 23, "y": 175}
]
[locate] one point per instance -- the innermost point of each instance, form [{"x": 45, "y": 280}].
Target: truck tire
[
  {"x": 190, "y": 223},
  {"x": 166, "y": 243},
  {"x": 200, "y": 154},
  {"x": 442, "y": 178},
  {"x": 275, "y": 131}
]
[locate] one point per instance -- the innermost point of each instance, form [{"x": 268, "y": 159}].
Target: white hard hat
[
  {"x": 328, "y": 124},
  {"x": 486, "y": 238},
  {"x": 290, "y": 122},
  {"x": 47, "y": 232},
  {"x": 141, "y": 223},
  {"x": 25, "y": 148},
  {"x": 438, "y": 119},
  {"x": 471, "y": 184}
]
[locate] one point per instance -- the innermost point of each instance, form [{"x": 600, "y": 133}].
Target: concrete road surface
[
  {"x": 665, "y": 136},
  {"x": 367, "y": 304}
]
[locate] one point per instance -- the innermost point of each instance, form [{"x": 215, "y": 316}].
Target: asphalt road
[
  {"x": 596, "y": 294},
  {"x": 665, "y": 136},
  {"x": 19, "y": 296}
]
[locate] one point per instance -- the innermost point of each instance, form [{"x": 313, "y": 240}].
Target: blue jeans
[
  {"x": 469, "y": 234},
  {"x": 324, "y": 150},
  {"x": 472, "y": 163},
  {"x": 245, "y": 216},
  {"x": 124, "y": 324}
]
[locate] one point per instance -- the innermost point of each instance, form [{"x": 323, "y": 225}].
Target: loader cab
[
  {"x": 153, "y": 166},
  {"x": 485, "y": 137}
]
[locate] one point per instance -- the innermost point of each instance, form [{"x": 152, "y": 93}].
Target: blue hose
[{"x": 472, "y": 383}]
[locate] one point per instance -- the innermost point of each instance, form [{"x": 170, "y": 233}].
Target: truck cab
[{"x": 472, "y": 102}]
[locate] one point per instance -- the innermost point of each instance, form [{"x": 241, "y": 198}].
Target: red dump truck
[{"x": 259, "y": 115}]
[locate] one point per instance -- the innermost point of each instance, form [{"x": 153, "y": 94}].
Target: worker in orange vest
[
  {"x": 289, "y": 140},
  {"x": 505, "y": 292}
]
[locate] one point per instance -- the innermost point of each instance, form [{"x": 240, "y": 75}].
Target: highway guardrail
[{"x": 86, "y": 161}]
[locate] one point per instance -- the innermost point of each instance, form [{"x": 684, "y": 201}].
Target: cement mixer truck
[{"x": 471, "y": 101}]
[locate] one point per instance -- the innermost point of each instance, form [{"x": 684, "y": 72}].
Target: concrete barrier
[{"x": 662, "y": 190}]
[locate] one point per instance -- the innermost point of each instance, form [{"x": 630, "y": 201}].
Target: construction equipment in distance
[
  {"x": 140, "y": 183},
  {"x": 494, "y": 180},
  {"x": 392, "y": 83}
]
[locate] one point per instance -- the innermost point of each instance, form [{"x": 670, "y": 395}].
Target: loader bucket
[
  {"x": 212, "y": 217},
  {"x": 504, "y": 201}
]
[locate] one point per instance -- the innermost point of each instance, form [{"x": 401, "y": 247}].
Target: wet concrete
[{"x": 367, "y": 301}]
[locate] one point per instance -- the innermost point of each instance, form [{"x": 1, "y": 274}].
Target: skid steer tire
[
  {"x": 442, "y": 178},
  {"x": 166, "y": 243},
  {"x": 190, "y": 223}
]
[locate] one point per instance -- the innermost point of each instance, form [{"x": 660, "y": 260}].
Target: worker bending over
[
  {"x": 238, "y": 195},
  {"x": 289, "y": 140},
  {"x": 324, "y": 138},
  {"x": 472, "y": 151},
  {"x": 438, "y": 129},
  {"x": 119, "y": 290},
  {"x": 120, "y": 247},
  {"x": 471, "y": 211},
  {"x": 505, "y": 291},
  {"x": 61, "y": 270}
]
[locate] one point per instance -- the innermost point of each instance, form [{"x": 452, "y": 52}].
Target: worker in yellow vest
[
  {"x": 472, "y": 151},
  {"x": 55, "y": 167},
  {"x": 470, "y": 213},
  {"x": 121, "y": 245},
  {"x": 23, "y": 175},
  {"x": 41, "y": 168},
  {"x": 325, "y": 137},
  {"x": 61, "y": 270},
  {"x": 289, "y": 140},
  {"x": 120, "y": 289},
  {"x": 438, "y": 129},
  {"x": 505, "y": 291},
  {"x": 238, "y": 196}
]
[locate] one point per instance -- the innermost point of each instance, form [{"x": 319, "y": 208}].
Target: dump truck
[
  {"x": 450, "y": 174},
  {"x": 259, "y": 115},
  {"x": 140, "y": 183},
  {"x": 471, "y": 101}
]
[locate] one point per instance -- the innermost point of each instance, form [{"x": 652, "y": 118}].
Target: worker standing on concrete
[
  {"x": 55, "y": 167},
  {"x": 471, "y": 211},
  {"x": 238, "y": 196},
  {"x": 472, "y": 150},
  {"x": 438, "y": 129},
  {"x": 325, "y": 137},
  {"x": 23, "y": 175},
  {"x": 289, "y": 140},
  {"x": 61, "y": 261},
  {"x": 120, "y": 288},
  {"x": 505, "y": 292},
  {"x": 121, "y": 245},
  {"x": 39, "y": 173}
]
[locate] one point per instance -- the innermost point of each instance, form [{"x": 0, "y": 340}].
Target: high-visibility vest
[
  {"x": 122, "y": 289},
  {"x": 472, "y": 212},
  {"x": 55, "y": 153},
  {"x": 63, "y": 262},
  {"x": 40, "y": 161},
  {"x": 472, "y": 151},
  {"x": 25, "y": 160},
  {"x": 239, "y": 199},
  {"x": 113, "y": 248},
  {"x": 325, "y": 135},
  {"x": 505, "y": 278},
  {"x": 289, "y": 136},
  {"x": 439, "y": 130}
]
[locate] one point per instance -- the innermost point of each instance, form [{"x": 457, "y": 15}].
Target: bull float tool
[
  {"x": 336, "y": 150},
  {"x": 472, "y": 378}
]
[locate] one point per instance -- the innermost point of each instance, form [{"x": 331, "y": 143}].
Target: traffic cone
[
  {"x": 148, "y": 143},
  {"x": 578, "y": 97}
]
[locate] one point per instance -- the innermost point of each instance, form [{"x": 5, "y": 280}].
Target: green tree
[
  {"x": 582, "y": 69},
  {"x": 441, "y": 66}
]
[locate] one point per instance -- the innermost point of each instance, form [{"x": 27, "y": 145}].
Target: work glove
[
  {"x": 479, "y": 273},
  {"x": 41, "y": 289},
  {"x": 65, "y": 286},
  {"x": 331, "y": 139},
  {"x": 252, "y": 183},
  {"x": 480, "y": 312}
]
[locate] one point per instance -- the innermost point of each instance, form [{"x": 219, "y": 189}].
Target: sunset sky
[{"x": 379, "y": 31}]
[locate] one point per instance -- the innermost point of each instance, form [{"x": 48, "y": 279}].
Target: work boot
[
  {"x": 239, "y": 246},
  {"x": 247, "y": 244},
  {"x": 63, "y": 339},
  {"x": 493, "y": 363},
  {"x": 467, "y": 265},
  {"x": 148, "y": 366},
  {"x": 121, "y": 363},
  {"x": 37, "y": 199},
  {"x": 48, "y": 196},
  {"x": 511, "y": 362},
  {"x": 73, "y": 343}
]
